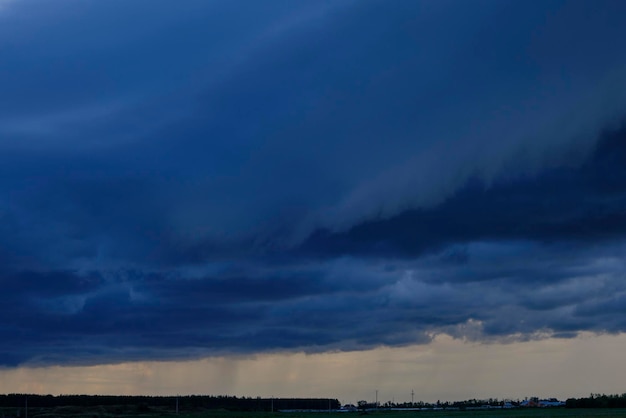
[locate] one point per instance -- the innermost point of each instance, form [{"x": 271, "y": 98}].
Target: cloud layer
[{"x": 218, "y": 178}]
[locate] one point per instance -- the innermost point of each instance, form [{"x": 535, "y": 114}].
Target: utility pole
[
  {"x": 412, "y": 401},
  {"x": 176, "y": 404},
  {"x": 376, "y": 399}
]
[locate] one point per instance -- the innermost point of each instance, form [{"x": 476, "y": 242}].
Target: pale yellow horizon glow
[{"x": 446, "y": 369}]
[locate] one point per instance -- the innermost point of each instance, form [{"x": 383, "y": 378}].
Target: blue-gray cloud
[{"x": 230, "y": 177}]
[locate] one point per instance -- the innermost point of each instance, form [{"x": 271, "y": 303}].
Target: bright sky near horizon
[
  {"x": 445, "y": 370},
  {"x": 313, "y": 197}
]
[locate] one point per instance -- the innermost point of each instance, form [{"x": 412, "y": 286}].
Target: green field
[
  {"x": 139, "y": 412},
  {"x": 512, "y": 413},
  {"x": 606, "y": 413},
  {"x": 516, "y": 413}
]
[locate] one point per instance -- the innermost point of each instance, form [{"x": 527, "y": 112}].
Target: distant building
[{"x": 542, "y": 403}]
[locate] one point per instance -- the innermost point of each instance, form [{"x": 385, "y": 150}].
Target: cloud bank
[{"x": 223, "y": 178}]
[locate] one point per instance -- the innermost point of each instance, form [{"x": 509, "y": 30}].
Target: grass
[
  {"x": 141, "y": 412},
  {"x": 515, "y": 413}
]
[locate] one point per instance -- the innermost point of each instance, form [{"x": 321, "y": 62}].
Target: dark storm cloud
[
  {"x": 581, "y": 203},
  {"x": 237, "y": 177}
]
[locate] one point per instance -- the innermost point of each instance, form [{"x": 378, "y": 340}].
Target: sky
[{"x": 313, "y": 198}]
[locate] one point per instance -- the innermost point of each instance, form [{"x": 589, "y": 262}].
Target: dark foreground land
[{"x": 143, "y": 411}]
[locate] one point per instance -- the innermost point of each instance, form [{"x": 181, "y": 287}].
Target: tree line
[
  {"x": 234, "y": 403},
  {"x": 597, "y": 400},
  {"x": 189, "y": 402}
]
